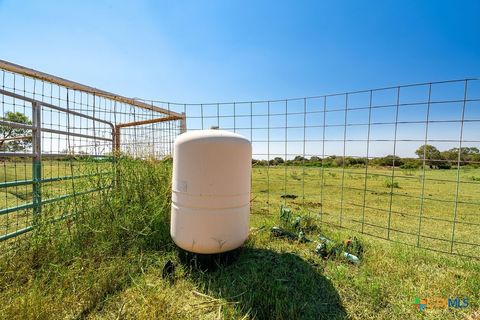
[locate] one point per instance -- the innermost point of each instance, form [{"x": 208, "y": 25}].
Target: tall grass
[
  {"x": 95, "y": 252},
  {"x": 134, "y": 214}
]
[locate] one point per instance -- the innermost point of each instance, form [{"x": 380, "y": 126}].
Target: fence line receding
[{"x": 399, "y": 163}]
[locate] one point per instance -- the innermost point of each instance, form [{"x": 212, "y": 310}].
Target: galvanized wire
[
  {"x": 335, "y": 157},
  {"x": 393, "y": 202}
]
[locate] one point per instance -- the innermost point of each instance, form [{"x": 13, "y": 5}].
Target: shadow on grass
[{"x": 271, "y": 285}]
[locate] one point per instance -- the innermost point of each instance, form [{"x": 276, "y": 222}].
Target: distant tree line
[
  {"x": 434, "y": 159},
  {"x": 18, "y": 139}
]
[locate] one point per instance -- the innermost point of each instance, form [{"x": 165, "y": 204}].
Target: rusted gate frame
[
  {"x": 144, "y": 122},
  {"x": 81, "y": 87}
]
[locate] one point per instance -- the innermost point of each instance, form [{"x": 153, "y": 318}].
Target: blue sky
[
  {"x": 204, "y": 51},
  {"x": 209, "y": 51}
]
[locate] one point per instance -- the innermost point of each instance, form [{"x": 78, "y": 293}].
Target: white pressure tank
[{"x": 211, "y": 191}]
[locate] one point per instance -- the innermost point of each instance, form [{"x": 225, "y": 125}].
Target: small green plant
[
  {"x": 411, "y": 165},
  {"x": 391, "y": 184},
  {"x": 294, "y": 226},
  {"x": 408, "y": 172},
  {"x": 285, "y": 214},
  {"x": 332, "y": 174},
  {"x": 295, "y": 176}
]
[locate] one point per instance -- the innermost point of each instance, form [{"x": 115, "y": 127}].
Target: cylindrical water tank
[{"x": 211, "y": 191}]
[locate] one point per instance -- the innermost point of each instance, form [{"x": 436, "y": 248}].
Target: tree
[
  {"x": 338, "y": 161},
  {"x": 467, "y": 154},
  {"x": 300, "y": 159},
  {"x": 15, "y": 139},
  {"x": 388, "y": 161},
  {"x": 475, "y": 160},
  {"x": 471, "y": 150},
  {"x": 278, "y": 160},
  {"x": 256, "y": 162},
  {"x": 431, "y": 155},
  {"x": 411, "y": 163}
]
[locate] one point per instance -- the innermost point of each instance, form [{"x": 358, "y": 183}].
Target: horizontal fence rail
[{"x": 399, "y": 163}]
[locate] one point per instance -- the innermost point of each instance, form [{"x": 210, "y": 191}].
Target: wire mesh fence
[
  {"x": 55, "y": 135},
  {"x": 399, "y": 163}
]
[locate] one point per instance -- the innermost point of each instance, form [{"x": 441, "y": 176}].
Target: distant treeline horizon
[{"x": 427, "y": 155}]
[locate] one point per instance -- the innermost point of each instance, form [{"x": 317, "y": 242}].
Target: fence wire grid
[
  {"x": 399, "y": 163},
  {"x": 56, "y": 134}
]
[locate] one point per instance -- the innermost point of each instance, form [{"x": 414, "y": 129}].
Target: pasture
[
  {"x": 416, "y": 207},
  {"x": 108, "y": 263}
]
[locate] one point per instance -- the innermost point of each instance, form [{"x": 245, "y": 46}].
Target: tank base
[{"x": 208, "y": 262}]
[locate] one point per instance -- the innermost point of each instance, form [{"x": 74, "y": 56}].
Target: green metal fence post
[{"x": 37, "y": 163}]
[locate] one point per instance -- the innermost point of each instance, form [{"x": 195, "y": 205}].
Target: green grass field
[
  {"x": 107, "y": 264},
  {"x": 418, "y": 209},
  {"x": 15, "y": 196}
]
